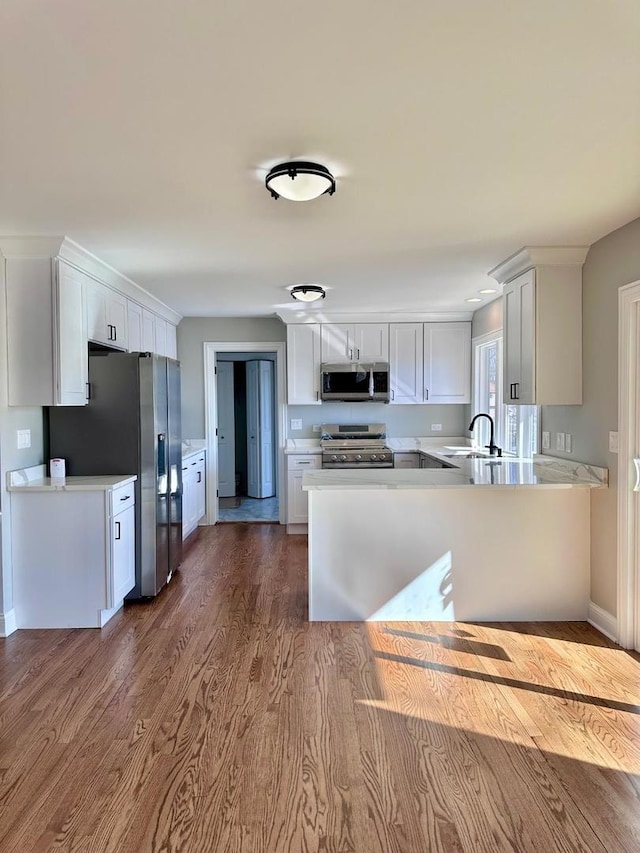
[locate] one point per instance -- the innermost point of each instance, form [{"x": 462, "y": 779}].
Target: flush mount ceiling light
[
  {"x": 473, "y": 299},
  {"x": 299, "y": 180},
  {"x": 488, "y": 290},
  {"x": 307, "y": 292}
]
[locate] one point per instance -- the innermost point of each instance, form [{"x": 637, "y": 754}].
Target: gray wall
[
  {"x": 487, "y": 319},
  {"x": 611, "y": 263},
  {"x": 401, "y": 421},
  {"x": 193, "y": 332}
]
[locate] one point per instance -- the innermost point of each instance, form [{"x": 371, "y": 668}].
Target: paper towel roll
[{"x": 57, "y": 469}]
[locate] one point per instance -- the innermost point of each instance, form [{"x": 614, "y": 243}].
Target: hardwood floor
[{"x": 217, "y": 719}]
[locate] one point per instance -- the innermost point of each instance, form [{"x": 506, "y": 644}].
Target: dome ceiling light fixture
[
  {"x": 299, "y": 180},
  {"x": 307, "y": 292}
]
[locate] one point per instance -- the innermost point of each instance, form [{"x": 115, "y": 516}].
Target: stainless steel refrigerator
[{"x": 132, "y": 425}]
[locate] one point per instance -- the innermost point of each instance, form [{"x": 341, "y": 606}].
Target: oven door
[{"x": 356, "y": 382}]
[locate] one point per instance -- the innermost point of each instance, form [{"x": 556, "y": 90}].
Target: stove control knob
[
  {"x": 343, "y": 458},
  {"x": 334, "y": 458},
  {"x": 373, "y": 457},
  {"x": 383, "y": 456},
  {"x": 358, "y": 457}
]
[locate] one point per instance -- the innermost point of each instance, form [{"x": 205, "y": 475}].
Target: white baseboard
[
  {"x": 7, "y": 623},
  {"x": 603, "y": 621}
]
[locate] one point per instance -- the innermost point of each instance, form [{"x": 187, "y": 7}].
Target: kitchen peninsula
[{"x": 488, "y": 540}]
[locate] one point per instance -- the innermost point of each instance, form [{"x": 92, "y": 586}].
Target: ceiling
[{"x": 458, "y": 132}]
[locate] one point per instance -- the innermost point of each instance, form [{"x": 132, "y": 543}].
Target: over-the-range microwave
[{"x": 354, "y": 382}]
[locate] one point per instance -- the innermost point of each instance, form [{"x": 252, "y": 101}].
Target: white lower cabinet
[
  {"x": 194, "y": 504},
  {"x": 76, "y": 572},
  {"x": 297, "y": 500}
]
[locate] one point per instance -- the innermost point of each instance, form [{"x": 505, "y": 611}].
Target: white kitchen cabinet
[
  {"x": 303, "y": 364},
  {"x": 47, "y": 360},
  {"x": 106, "y": 314},
  {"x": 406, "y": 362},
  {"x": 76, "y": 572},
  {"x": 193, "y": 491},
  {"x": 355, "y": 342},
  {"x": 542, "y": 349},
  {"x": 172, "y": 341},
  {"x": 148, "y": 331},
  {"x": 134, "y": 326},
  {"x": 447, "y": 363},
  {"x": 297, "y": 500},
  {"x": 160, "y": 336}
]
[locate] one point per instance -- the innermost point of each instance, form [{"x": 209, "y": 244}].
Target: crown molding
[
  {"x": 67, "y": 250},
  {"x": 297, "y": 317},
  {"x": 538, "y": 256}
]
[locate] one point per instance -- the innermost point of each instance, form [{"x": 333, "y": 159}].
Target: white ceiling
[{"x": 459, "y": 131}]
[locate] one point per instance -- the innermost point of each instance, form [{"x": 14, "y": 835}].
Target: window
[{"x": 516, "y": 426}]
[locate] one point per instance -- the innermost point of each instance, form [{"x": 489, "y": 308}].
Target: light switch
[
  {"x": 613, "y": 442},
  {"x": 568, "y": 442},
  {"x": 436, "y": 427},
  {"x": 296, "y": 423},
  {"x": 23, "y": 437},
  {"x": 545, "y": 441},
  {"x": 559, "y": 441}
]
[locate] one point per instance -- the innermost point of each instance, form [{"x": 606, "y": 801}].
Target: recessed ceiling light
[
  {"x": 299, "y": 180},
  {"x": 488, "y": 290},
  {"x": 307, "y": 292},
  {"x": 473, "y": 299}
]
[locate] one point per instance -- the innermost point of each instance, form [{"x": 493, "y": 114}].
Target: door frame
[
  {"x": 211, "y": 350},
  {"x": 628, "y": 616}
]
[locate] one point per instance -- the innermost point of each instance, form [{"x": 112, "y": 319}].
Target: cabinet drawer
[
  {"x": 299, "y": 462},
  {"x": 122, "y": 498}
]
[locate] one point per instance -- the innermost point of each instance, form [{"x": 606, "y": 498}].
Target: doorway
[
  {"x": 245, "y": 428},
  {"x": 247, "y": 483}
]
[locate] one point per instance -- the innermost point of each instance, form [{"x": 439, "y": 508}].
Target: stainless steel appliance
[
  {"x": 355, "y": 382},
  {"x": 355, "y": 446},
  {"x": 132, "y": 425}
]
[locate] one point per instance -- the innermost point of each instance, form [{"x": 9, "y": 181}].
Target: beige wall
[
  {"x": 193, "y": 332},
  {"x": 611, "y": 263}
]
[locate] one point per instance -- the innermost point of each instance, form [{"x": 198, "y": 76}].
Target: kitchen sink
[{"x": 462, "y": 454}]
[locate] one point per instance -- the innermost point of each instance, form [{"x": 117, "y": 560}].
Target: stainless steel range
[{"x": 355, "y": 446}]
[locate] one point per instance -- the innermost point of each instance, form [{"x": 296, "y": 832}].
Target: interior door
[
  {"x": 260, "y": 417},
  {"x": 226, "y": 430}
]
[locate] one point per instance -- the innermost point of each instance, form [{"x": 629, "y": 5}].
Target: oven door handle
[{"x": 371, "y": 383}]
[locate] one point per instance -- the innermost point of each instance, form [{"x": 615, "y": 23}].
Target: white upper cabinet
[
  {"x": 172, "y": 341},
  {"x": 355, "y": 342},
  {"x": 70, "y": 339},
  {"x": 160, "y": 336},
  {"x": 148, "y": 331},
  {"x": 447, "y": 362},
  {"x": 406, "y": 362},
  {"x": 134, "y": 326},
  {"x": 542, "y": 325},
  {"x": 106, "y": 314},
  {"x": 303, "y": 364}
]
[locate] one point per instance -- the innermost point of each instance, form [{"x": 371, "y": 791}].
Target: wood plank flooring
[{"x": 218, "y": 719}]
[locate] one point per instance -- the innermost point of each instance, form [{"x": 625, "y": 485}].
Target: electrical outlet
[
  {"x": 560, "y": 441},
  {"x": 317, "y": 428},
  {"x": 23, "y": 438},
  {"x": 296, "y": 423},
  {"x": 436, "y": 427},
  {"x": 546, "y": 444},
  {"x": 568, "y": 442},
  {"x": 613, "y": 442}
]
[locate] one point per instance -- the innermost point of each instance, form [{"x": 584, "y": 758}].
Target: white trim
[
  {"x": 297, "y": 315},
  {"x": 628, "y": 428},
  {"x": 603, "y": 621},
  {"x": 211, "y": 349},
  {"x": 535, "y": 256},
  {"x": 8, "y": 623}
]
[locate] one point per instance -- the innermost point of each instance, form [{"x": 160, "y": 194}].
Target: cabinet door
[
  {"x": 160, "y": 336},
  {"x": 134, "y": 327},
  {"x": 406, "y": 362},
  {"x": 526, "y": 391},
  {"x": 123, "y": 555},
  {"x": 371, "y": 342},
  {"x": 148, "y": 331},
  {"x": 511, "y": 340},
  {"x": 200, "y": 490},
  {"x": 447, "y": 362},
  {"x": 188, "y": 501},
  {"x": 96, "y": 303},
  {"x": 116, "y": 319},
  {"x": 338, "y": 342},
  {"x": 303, "y": 364},
  {"x": 172, "y": 343},
  {"x": 70, "y": 338},
  {"x": 297, "y": 500}
]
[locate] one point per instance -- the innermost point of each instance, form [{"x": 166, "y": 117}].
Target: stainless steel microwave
[{"x": 355, "y": 382}]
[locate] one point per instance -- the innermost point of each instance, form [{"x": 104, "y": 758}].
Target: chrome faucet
[{"x": 494, "y": 450}]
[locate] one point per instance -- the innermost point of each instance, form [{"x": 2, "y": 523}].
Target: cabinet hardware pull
[
  {"x": 426, "y": 393},
  {"x": 304, "y": 463},
  {"x": 351, "y": 352},
  {"x": 115, "y": 333},
  {"x": 358, "y": 353},
  {"x": 317, "y": 395},
  {"x": 393, "y": 394},
  {"x": 194, "y": 463},
  {"x": 117, "y": 529},
  {"x": 517, "y": 391},
  {"x": 88, "y": 384},
  {"x": 125, "y": 498},
  {"x": 199, "y": 476}
]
